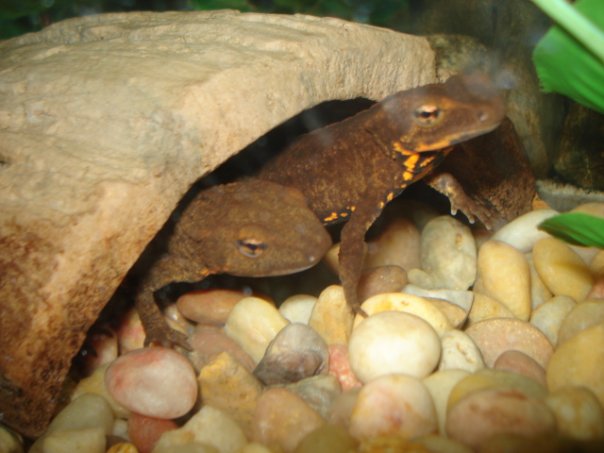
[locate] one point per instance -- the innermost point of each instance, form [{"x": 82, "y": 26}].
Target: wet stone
[
  {"x": 296, "y": 352},
  {"x": 209, "y": 307},
  {"x": 209, "y": 341}
]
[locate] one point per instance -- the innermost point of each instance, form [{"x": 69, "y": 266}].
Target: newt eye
[
  {"x": 427, "y": 115},
  {"x": 252, "y": 248}
]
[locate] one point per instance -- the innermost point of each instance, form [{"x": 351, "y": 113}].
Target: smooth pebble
[
  {"x": 156, "y": 381},
  {"x": 95, "y": 383},
  {"x": 539, "y": 292},
  {"x": 10, "y": 442},
  {"x": 319, "y": 392},
  {"x": 485, "y": 307},
  {"x": 331, "y": 317},
  {"x": 383, "y": 279},
  {"x": 282, "y": 419},
  {"x": 579, "y": 361},
  {"x": 448, "y": 255},
  {"x": 209, "y": 307},
  {"x": 581, "y": 317},
  {"x": 232, "y": 388},
  {"x": 393, "y": 342},
  {"x": 398, "y": 244},
  {"x": 295, "y": 353},
  {"x": 209, "y": 426},
  {"x": 497, "y": 335},
  {"x": 578, "y": 413},
  {"x": 520, "y": 363},
  {"x": 327, "y": 438},
  {"x": 144, "y": 432},
  {"x": 459, "y": 352},
  {"x": 549, "y": 316},
  {"x": 405, "y": 303},
  {"x": 298, "y": 308},
  {"x": 561, "y": 269},
  {"x": 253, "y": 323},
  {"x": 439, "y": 384},
  {"x": 522, "y": 232},
  {"x": 482, "y": 414},
  {"x": 209, "y": 341},
  {"x": 396, "y": 404},
  {"x": 505, "y": 276}
]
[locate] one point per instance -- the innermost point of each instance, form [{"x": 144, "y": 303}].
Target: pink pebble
[
  {"x": 156, "y": 382},
  {"x": 339, "y": 366},
  {"x": 145, "y": 431}
]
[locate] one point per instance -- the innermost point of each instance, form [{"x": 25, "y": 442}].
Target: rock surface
[{"x": 105, "y": 122}]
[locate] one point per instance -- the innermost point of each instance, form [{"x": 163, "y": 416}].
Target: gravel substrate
[{"x": 485, "y": 343}]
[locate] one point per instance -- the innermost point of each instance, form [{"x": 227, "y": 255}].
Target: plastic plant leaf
[
  {"x": 576, "y": 228},
  {"x": 569, "y": 59}
]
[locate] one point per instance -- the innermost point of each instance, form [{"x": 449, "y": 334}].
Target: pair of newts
[{"x": 346, "y": 171}]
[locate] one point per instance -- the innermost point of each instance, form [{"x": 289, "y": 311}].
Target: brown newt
[
  {"x": 249, "y": 228},
  {"x": 349, "y": 170}
]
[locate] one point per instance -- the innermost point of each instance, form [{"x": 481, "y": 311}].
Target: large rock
[{"x": 106, "y": 121}]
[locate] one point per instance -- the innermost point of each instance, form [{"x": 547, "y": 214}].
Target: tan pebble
[
  {"x": 539, "y": 292},
  {"x": 486, "y": 379},
  {"x": 549, "y": 316},
  {"x": 332, "y": 258},
  {"x": 579, "y": 361},
  {"x": 505, "y": 276},
  {"x": 95, "y": 383},
  {"x": 405, "y": 303},
  {"x": 319, "y": 392},
  {"x": 456, "y": 315},
  {"x": 440, "y": 444},
  {"x": 485, "y": 307},
  {"x": 156, "y": 381},
  {"x": 130, "y": 333},
  {"x": 396, "y": 404},
  {"x": 519, "y": 362},
  {"x": 383, "y": 279},
  {"x": 297, "y": 352},
  {"x": 103, "y": 347},
  {"x": 190, "y": 447},
  {"x": 209, "y": 307},
  {"x": 209, "y": 426},
  {"x": 459, "y": 352},
  {"x": 545, "y": 443},
  {"x": 448, "y": 254},
  {"x": 596, "y": 266},
  {"x": 522, "y": 232},
  {"x": 440, "y": 384},
  {"x": 398, "y": 244},
  {"x": 90, "y": 440},
  {"x": 494, "y": 336},
  {"x": 253, "y": 323},
  {"x": 393, "y": 342},
  {"x": 144, "y": 432},
  {"x": 578, "y": 413},
  {"x": 230, "y": 387},
  {"x": 10, "y": 442},
  {"x": 339, "y": 366},
  {"x": 282, "y": 419},
  {"x": 327, "y": 439},
  {"x": 593, "y": 208},
  {"x": 342, "y": 407},
  {"x": 582, "y": 316},
  {"x": 298, "y": 308},
  {"x": 561, "y": 269},
  {"x": 209, "y": 341},
  {"x": 123, "y": 447},
  {"x": 597, "y": 290},
  {"x": 482, "y": 414},
  {"x": 331, "y": 317}
]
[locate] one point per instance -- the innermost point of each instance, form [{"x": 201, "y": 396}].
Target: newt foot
[{"x": 166, "y": 336}]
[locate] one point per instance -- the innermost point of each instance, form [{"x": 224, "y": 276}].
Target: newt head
[
  {"x": 252, "y": 228},
  {"x": 439, "y": 115}
]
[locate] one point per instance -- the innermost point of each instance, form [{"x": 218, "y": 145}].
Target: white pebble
[
  {"x": 522, "y": 232},
  {"x": 393, "y": 342},
  {"x": 156, "y": 382}
]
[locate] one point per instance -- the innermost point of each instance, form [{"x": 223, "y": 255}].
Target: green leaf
[
  {"x": 576, "y": 228},
  {"x": 570, "y": 57}
]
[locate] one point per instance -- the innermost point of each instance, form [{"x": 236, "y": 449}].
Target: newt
[
  {"x": 250, "y": 228},
  {"x": 349, "y": 170}
]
